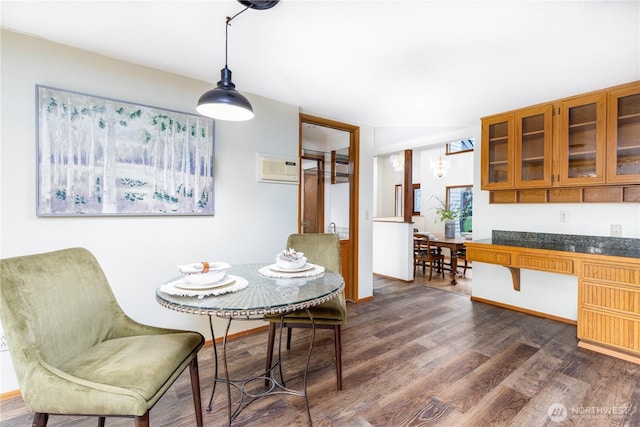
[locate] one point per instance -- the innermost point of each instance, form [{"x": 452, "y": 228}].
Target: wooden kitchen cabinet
[
  {"x": 533, "y": 139},
  {"x": 609, "y": 306},
  {"x": 623, "y": 135},
  {"x": 582, "y": 140},
  {"x": 345, "y": 266},
  {"x": 585, "y": 148},
  {"x": 516, "y": 149},
  {"x": 497, "y": 152}
]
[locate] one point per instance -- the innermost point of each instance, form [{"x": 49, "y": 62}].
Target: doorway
[
  {"x": 312, "y": 193},
  {"x": 328, "y": 191}
]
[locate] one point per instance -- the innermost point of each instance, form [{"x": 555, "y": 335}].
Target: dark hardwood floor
[{"x": 413, "y": 356}]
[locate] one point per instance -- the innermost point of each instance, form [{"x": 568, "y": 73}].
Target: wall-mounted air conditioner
[{"x": 284, "y": 170}]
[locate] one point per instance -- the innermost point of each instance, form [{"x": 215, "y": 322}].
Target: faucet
[{"x": 332, "y": 228}]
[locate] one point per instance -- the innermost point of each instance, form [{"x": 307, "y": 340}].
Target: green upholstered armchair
[
  {"x": 76, "y": 352},
  {"x": 324, "y": 250}
]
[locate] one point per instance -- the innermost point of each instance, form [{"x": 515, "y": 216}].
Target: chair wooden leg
[
  {"x": 40, "y": 419},
  {"x": 195, "y": 389},
  {"x": 101, "y": 421},
  {"x": 143, "y": 420},
  {"x": 270, "y": 340},
  {"x": 338, "y": 343}
]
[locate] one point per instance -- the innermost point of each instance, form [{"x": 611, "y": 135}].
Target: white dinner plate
[
  {"x": 183, "y": 284},
  {"x": 305, "y": 267}
]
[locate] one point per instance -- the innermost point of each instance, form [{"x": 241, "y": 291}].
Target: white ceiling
[{"x": 407, "y": 68}]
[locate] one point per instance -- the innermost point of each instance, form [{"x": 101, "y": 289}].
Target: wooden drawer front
[
  {"x": 625, "y": 300},
  {"x": 491, "y": 257},
  {"x": 552, "y": 264},
  {"x": 614, "y": 273},
  {"x": 615, "y": 331}
]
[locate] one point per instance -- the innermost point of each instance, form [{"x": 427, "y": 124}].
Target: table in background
[
  {"x": 454, "y": 245},
  {"x": 263, "y": 296}
]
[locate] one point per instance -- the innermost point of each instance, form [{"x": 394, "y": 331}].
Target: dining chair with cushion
[
  {"x": 74, "y": 350},
  {"x": 424, "y": 254},
  {"x": 324, "y": 250}
]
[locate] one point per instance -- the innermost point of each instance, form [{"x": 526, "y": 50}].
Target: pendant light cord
[{"x": 226, "y": 33}]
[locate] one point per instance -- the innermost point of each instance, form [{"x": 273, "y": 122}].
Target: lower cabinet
[
  {"x": 609, "y": 305},
  {"x": 346, "y": 270}
]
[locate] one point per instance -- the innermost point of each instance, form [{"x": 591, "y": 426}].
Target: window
[
  {"x": 460, "y": 146},
  {"x": 460, "y": 197},
  {"x": 417, "y": 199}
]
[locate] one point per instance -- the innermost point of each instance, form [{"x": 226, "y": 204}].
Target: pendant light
[
  {"x": 439, "y": 166},
  {"x": 224, "y": 102}
]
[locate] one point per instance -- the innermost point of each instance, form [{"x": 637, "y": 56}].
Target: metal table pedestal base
[{"x": 272, "y": 384}]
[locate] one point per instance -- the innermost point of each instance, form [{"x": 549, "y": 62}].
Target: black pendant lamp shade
[
  {"x": 225, "y": 102},
  {"x": 258, "y": 4}
]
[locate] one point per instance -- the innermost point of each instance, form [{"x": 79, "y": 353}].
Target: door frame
[{"x": 354, "y": 175}]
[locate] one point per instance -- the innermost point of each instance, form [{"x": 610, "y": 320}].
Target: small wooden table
[{"x": 454, "y": 245}]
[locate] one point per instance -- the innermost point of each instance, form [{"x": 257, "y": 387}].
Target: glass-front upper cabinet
[
  {"x": 533, "y": 147},
  {"x": 582, "y": 140},
  {"x": 623, "y": 135},
  {"x": 497, "y": 152}
]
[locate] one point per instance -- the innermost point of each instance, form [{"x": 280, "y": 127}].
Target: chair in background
[
  {"x": 424, "y": 254},
  {"x": 462, "y": 255},
  {"x": 324, "y": 250},
  {"x": 76, "y": 352}
]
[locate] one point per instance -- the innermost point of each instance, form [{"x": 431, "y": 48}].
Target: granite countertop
[{"x": 598, "y": 245}]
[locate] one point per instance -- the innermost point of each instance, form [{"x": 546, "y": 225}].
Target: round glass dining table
[
  {"x": 257, "y": 295},
  {"x": 262, "y": 296}
]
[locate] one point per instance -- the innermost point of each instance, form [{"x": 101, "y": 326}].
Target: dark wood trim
[
  {"x": 408, "y": 188},
  {"x": 354, "y": 192},
  {"x": 524, "y": 310},
  {"x": 392, "y": 278}
]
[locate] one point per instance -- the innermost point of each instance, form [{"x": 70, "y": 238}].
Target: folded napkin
[
  {"x": 290, "y": 255},
  {"x": 196, "y": 267}
]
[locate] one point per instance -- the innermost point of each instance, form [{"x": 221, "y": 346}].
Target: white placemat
[
  {"x": 170, "y": 288},
  {"x": 274, "y": 271}
]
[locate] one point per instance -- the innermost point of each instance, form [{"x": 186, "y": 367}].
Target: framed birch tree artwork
[{"x": 101, "y": 156}]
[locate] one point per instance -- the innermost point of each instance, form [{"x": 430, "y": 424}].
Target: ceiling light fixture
[
  {"x": 439, "y": 166},
  {"x": 397, "y": 162},
  {"x": 224, "y": 102}
]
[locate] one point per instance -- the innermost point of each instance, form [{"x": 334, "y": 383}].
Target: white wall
[
  {"x": 336, "y": 204},
  {"x": 365, "y": 213},
  {"x": 386, "y": 180},
  {"x": 393, "y": 248},
  {"x": 122, "y": 244},
  {"x": 460, "y": 173}
]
